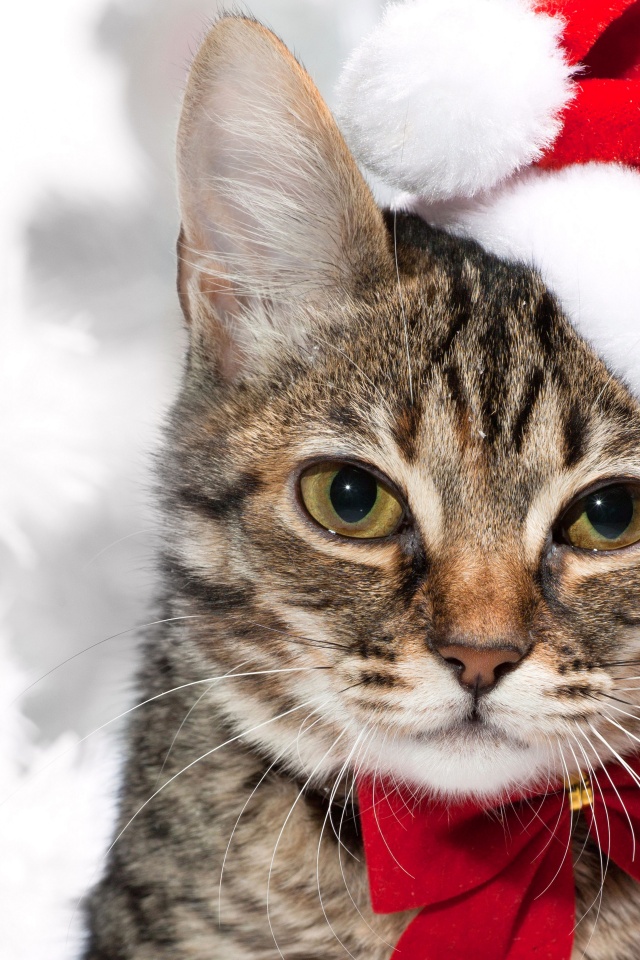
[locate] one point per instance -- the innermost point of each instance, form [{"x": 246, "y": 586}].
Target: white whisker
[
  {"x": 627, "y": 733},
  {"x": 350, "y": 798},
  {"x": 199, "y": 759},
  {"x": 144, "y": 703},
  {"x": 336, "y": 783},
  {"x": 604, "y": 865},
  {"x": 552, "y": 835},
  {"x": 619, "y": 758},
  {"x": 186, "y": 718},
  {"x": 98, "y": 643},
  {"x": 284, "y": 825},
  {"x": 374, "y": 781},
  {"x": 264, "y": 776},
  {"x": 615, "y": 790}
]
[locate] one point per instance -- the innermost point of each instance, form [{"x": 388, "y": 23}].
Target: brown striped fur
[{"x": 321, "y": 329}]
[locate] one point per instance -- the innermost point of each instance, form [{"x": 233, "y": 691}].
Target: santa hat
[{"x": 517, "y": 124}]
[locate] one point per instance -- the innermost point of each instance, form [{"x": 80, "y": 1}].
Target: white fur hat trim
[{"x": 425, "y": 102}]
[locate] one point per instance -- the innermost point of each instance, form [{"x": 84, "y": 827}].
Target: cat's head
[{"x": 400, "y": 482}]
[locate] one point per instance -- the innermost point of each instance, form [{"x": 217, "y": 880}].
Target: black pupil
[
  {"x": 353, "y": 493},
  {"x": 610, "y": 511}
]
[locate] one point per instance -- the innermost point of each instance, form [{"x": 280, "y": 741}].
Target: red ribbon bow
[{"x": 494, "y": 883}]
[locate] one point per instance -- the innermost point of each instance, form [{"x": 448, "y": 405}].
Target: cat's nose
[{"x": 479, "y": 668}]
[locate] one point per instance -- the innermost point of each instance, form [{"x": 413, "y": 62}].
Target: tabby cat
[{"x": 402, "y": 516}]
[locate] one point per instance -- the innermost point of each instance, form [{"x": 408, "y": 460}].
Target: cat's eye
[
  {"x": 605, "y": 519},
  {"x": 350, "y": 500}
]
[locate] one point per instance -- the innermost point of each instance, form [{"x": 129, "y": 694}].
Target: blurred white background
[
  {"x": 91, "y": 96},
  {"x": 90, "y": 352}
]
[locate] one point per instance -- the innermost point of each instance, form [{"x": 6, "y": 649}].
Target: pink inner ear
[{"x": 616, "y": 53}]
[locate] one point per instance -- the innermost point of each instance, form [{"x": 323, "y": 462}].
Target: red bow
[{"x": 494, "y": 883}]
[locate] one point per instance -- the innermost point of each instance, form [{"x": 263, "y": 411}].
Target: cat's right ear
[{"x": 278, "y": 225}]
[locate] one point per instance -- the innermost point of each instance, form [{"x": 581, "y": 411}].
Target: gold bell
[{"x": 579, "y": 791}]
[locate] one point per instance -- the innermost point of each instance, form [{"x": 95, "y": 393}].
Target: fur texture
[
  {"x": 578, "y": 228},
  {"x": 291, "y": 659},
  {"x": 449, "y": 97}
]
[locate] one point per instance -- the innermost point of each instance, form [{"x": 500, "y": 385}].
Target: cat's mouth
[
  {"x": 465, "y": 756},
  {"x": 471, "y": 730}
]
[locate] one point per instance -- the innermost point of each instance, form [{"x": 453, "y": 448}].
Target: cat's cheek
[
  {"x": 200, "y": 544},
  {"x": 533, "y": 702},
  {"x": 570, "y": 566},
  {"x": 412, "y": 696},
  {"x": 378, "y": 554}
]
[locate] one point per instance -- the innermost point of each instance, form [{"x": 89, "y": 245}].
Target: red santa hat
[{"x": 516, "y": 123}]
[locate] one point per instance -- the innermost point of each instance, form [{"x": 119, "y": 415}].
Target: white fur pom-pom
[{"x": 448, "y": 97}]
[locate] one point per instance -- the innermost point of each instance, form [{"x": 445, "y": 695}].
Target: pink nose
[{"x": 479, "y": 668}]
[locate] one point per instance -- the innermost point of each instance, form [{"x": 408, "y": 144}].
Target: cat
[{"x": 389, "y": 466}]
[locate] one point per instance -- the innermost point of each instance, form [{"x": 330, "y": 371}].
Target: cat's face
[{"x": 380, "y": 458}]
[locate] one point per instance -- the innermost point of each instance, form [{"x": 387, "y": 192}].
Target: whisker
[
  {"x": 604, "y": 866},
  {"x": 568, "y": 779},
  {"x": 375, "y": 811},
  {"x": 625, "y": 713},
  {"x": 350, "y": 798},
  {"x": 178, "y": 731},
  {"x": 615, "y": 790},
  {"x": 249, "y": 799},
  {"x": 98, "y": 643},
  {"x": 302, "y": 729},
  {"x": 552, "y": 834},
  {"x": 620, "y": 759},
  {"x": 144, "y": 703},
  {"x": 283, "y": 828},
  {"x": 621, "y": 663},
  {"x": 114, "y": 543},
  {"x": 627, "y": 733},
  {"x": 332, "y": 795},
  {"x": 586, "y": 839},
  {"x": 184, "y": 769},
  {"x": 627, "y": 703},
  {"x": 203, "y": 756},
  {"x": 536, "y": 813},
  {"x": 291, "y": 637},
  {"x": 186, "y": 717},
  {"x": 331, "y": 644}
]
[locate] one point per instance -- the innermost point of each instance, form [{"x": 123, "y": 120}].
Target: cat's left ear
[{"x": 278, "y": 225}]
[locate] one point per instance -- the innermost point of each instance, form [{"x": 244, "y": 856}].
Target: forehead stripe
[{"x": 530, "y": 399}]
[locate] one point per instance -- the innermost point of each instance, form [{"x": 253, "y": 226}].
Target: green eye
[
  {"x": 607, "y": 519},
  {"x": 350, "y": 501}
]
